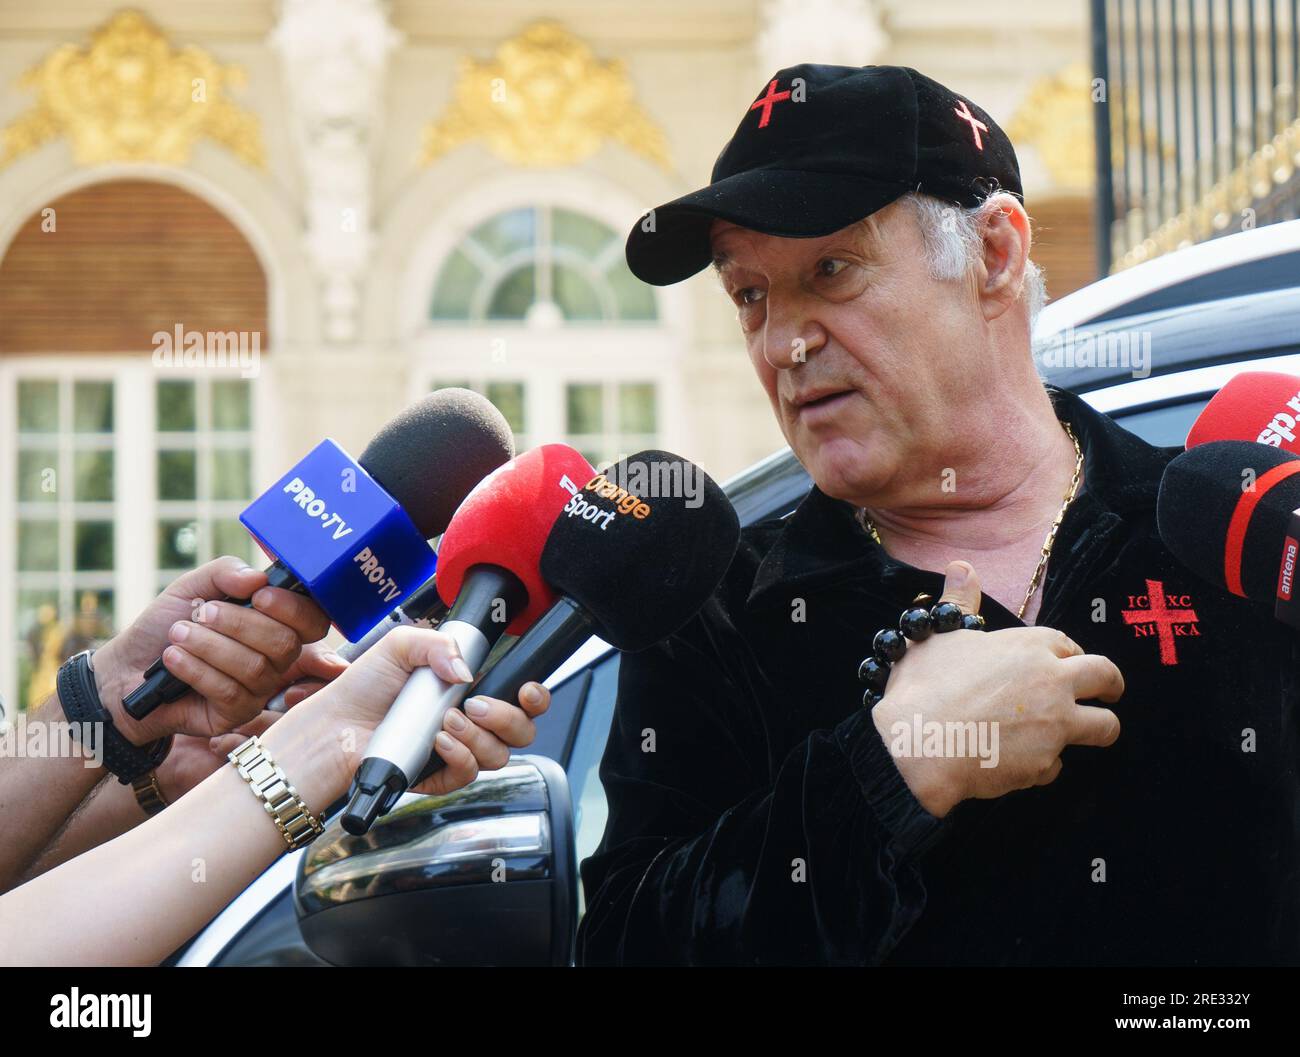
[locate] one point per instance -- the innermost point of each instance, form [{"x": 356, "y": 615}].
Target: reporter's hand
[
  {"x": 1028, "y": 681},
  {"x": 193, "y": 758},
  {"x": 235, "y": 658},
  {"x": 340, "y": 719}
]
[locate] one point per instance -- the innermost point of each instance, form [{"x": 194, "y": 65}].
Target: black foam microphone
[
  {"x": 635, "y": 555},
  {"x": 1227, "y": 510},
  {"x": 427, "y": 460}
]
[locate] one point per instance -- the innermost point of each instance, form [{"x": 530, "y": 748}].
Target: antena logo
[
  {"x": 1286, "y": 578},
  {"x": 1283, "y": 426}
]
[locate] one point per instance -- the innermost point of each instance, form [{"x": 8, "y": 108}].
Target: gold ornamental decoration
[
  {"x": 1056, "y": 118},
  {"x": 1231, "y": 199},
  {"x": 131, "y": 96},
  {"x": 545, "y": 100}
]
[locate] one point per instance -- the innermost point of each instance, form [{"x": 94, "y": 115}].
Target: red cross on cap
[
  {"x": 976, "y": 125},
  {"x": 768, "y": 101}
]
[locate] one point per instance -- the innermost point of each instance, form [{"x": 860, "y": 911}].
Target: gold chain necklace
[{"x": 1048, "y": 543}]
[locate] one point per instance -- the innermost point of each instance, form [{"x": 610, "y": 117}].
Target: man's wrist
[
  {"x": 928, "y": 778},
  {"x": 113, "y": 681}
]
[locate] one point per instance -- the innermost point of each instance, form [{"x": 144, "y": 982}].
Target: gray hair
[{"x": 952, "y": 243}]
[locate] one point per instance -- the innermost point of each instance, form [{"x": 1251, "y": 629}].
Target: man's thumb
[
  {"x": 220, "y": 578},
  {"x": 962, "y": 585}
]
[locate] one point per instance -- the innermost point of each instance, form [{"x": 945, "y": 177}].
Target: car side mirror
[{"x": 486, "y": 875}]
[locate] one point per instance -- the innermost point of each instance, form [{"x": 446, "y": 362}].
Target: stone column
[
  {"x": 836, "y": 32},
  {"x": 334, "y": 54}
]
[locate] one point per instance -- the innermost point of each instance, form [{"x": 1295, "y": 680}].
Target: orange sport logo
[{"x": 624, "y": 503}]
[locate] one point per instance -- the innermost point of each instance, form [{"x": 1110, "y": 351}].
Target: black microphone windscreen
[
  {"x": 431, "y": 456},
  {"x": 642, "y": 546},
  {"x": 1201, "y": 493}
]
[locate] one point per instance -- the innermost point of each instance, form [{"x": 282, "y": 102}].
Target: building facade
[{"x": 228, "y": 230}]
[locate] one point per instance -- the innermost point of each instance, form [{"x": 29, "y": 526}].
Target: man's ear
[{"x": 1004, "y": 245}]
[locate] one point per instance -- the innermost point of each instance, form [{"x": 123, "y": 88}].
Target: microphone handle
[
  {"x": 539, "y": 652},
  {"x": 402, "y": 742},
  {"x": 160, "y": 686}
]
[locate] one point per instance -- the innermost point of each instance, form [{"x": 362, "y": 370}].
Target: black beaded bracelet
[{"x": 916, "y": 624}]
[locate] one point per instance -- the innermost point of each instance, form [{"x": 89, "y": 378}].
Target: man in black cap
[{"x": 868, "y": 225}]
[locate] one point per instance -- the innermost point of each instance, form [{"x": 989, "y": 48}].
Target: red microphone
[
  {"x": 1260, "y": 406},
  {"x": 505, "y": 522},
  {"x": 489, "y": 571}
]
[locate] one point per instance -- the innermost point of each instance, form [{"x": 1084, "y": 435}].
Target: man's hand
[
  {"x": 1028, "y": 681},
  {"x": 235, "y": 658}
]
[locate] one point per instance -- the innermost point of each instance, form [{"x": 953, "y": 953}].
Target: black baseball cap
[{"x": 820, "y": 148}]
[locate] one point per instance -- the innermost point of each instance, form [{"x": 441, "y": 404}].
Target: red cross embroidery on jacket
[{"x": 1165, "y": 616}]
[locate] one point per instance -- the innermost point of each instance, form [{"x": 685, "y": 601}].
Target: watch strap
[
  {"x": 297, "y": 825},
  {"x": 148, "y": 793},
  {"x": 81, "y": 705}
]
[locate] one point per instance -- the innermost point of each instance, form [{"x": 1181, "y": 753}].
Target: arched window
[
  {"x": 534, "y": 307},
  {"x": 119, "y": 468},
  {"x": 541, "y": 265}
]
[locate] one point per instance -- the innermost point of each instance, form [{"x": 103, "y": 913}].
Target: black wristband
[{"x": 81, "y": 705}]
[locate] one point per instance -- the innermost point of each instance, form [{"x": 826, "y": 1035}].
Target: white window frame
[
  {"x": 545, "y": 359},
  {"x": 135, "y": 506},
  {"x": 205, "y": 508}
]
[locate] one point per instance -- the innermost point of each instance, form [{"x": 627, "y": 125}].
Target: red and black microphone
[
  {"x": 635, "y": 555},
  {"x": 489, "y": 572},
  {"x": 1260, "y": 406},
  {"x": 1230, "y": 511},
  {"x": 1229, "y": 506}
]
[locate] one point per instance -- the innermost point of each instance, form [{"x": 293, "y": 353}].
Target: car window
[
  {"x": 1164, "y": 426},
  {"x": 555, "y": 728},
  {"x": 590, "y": 808},
  {"x": 1277, "y": 272}
]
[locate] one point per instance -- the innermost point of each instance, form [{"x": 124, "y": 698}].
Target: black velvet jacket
[{"x": 770, "y": 825}]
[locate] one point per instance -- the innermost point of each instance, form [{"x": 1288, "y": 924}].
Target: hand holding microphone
[
  {"x": 351, "y": 534},
  {"x": 234, "y": 658},
  {"x": 342, "y": 718},
  {"x": 488, "y": 569},
  {"x": 635, "y": 552}
]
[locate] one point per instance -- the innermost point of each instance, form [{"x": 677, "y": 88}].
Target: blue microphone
[
  {"x": 351, "y": 534},
  {"x": 341, "y": 538}
]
